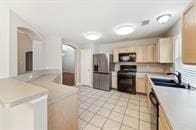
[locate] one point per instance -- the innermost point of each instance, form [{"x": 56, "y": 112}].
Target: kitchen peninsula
[{"x": 62, "y": 100}]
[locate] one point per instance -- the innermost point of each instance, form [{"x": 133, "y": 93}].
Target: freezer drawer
[
  {"x": 102, "y": 81},
  {"x": 105, "y": 82},
  {"x": 96, "y": 80}
]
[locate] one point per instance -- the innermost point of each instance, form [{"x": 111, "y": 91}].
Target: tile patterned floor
[{"x": 100, "y": 110}]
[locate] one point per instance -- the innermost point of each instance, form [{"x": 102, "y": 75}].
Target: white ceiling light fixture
[
  {"x": 164, "y": 18},
  {"x": 92, "y": 35},
  {"x": 124, "y": 29}
]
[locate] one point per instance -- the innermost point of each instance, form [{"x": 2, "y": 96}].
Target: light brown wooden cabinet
[
  {"x": 63, "y": 114},
  {"x": 189, "y": 35},
  {"x": 141, "y": 54},
  {"x": 148, "y": 90},
  {"x": 144, "y": 53},
  {"x": 150, "y": 52},
  {"x": 164, "y": 50},
  {"x": 141, "y": 85},
  {"x": 124, "y": 50},
  {"x": 114, "y": 82},
  {"x": 116, "y": 55},
  {"x": 132, "y": 49},
  {"x": 163, "y": 122}
]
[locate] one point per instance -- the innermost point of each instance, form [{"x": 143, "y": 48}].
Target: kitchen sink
[
  {"x": 162, "y": 80},
  {"x": 175, "y": 85},
  {"x": 166, "y": 83}
]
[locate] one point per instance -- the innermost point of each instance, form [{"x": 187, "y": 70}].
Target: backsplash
[{"x": 148, "y": 68}]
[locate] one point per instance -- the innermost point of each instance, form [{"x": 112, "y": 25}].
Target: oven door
[
  {"x": 126, "y": 82},
  {"x": 154, "y": 111}
]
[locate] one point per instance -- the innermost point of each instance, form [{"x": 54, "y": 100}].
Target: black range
[{"x": 127, "y": 79}]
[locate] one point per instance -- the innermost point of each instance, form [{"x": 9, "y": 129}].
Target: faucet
[{"x": 178, "y": 75}]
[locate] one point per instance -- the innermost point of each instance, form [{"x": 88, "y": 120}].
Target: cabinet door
[
  {"x": 141, "y": 54},
  {"x": 189, "y": 33},
  {"x": 124, "y": 50},
  {"x": 116, "y": 55},
  {"x": 166, "y": 50},
  {"x": 150, "y": 53},
  {"x": 157, "y": 52},
  {"x": 141, "y": 85},
  {"x": 148, "y": 90},
  {"x": 114, "y": 82},
  {"x": 163, "y": 122},
  {"x": 132, "y": 49}
]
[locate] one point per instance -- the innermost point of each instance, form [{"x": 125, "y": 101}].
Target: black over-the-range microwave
[{"x": 127, "y": 57}]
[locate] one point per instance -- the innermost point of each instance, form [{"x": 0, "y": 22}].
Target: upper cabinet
[
  {"x": 189, "y": 35},
  {"x": 124, "y": 50},
  {"x": 164, "y": 50},
  {"x": 116, "y": 55},
  {"x": 150, "y": 53},
  {"x": 141, "y": 54}
]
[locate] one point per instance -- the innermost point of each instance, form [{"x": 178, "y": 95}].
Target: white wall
[
  {"x": 38, "y": 55},
  {"x": 4, "y": 41},
  {"x": 175, "y": 30},
  {"x": 52, "y": 53},
  {"x": 53, "y": 57},
  {"x": 8, "y": 41}
]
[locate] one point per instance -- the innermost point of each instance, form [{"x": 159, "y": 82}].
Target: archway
[
  {"x": 68, "y": 64},
  {"x": 29, "y": 49}
]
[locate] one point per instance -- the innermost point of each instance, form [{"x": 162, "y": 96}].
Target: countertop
[
  {"x": 56, "y": 91},
  {"x": 178, "y": 104},
  {"x": 14, "y": 92},
  {"x": 24, "y": 88}
]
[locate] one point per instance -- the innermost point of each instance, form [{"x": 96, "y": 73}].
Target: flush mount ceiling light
[
  {"x": 163, "y": 18},
  {"x": 92, "y": 35},
  {"x": 124, "y": 29}
]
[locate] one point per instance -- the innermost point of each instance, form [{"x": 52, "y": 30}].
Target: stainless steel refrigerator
[{"x": 102, "y": 66}]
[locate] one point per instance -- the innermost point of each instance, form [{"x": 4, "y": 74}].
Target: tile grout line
[
  {"x": 111, "y": 110},
  {"x": 110, "y": 113}
]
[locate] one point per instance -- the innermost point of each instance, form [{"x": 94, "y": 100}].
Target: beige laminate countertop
[
  {"x": 56, "y": 91},
  {"x": 14, "y": 92},
  {"x": 178, "y": 104}
]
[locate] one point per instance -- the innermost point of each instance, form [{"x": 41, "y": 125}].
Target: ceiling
[{"x": 71, "y": 18}]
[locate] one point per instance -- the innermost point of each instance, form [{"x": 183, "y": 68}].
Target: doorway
[
  {"x": 86, "y": 67},
  {"x": 24, "y": 52},
  {"x": 29, "y": 61},
  {"x": 68, "y": 64}
]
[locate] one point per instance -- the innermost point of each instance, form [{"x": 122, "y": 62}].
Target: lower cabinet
[
  {"x": 140, "y": 85},
  {"x": 114, "y": 82},
  {"x": 148, "y": 90},
  {"x": 63, "y": 114},
  {"x": 115, "y": 55},
  {"x": 163, "y": 122}
]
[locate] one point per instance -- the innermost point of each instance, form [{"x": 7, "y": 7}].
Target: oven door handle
[{"x": 153, "y": 99}]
